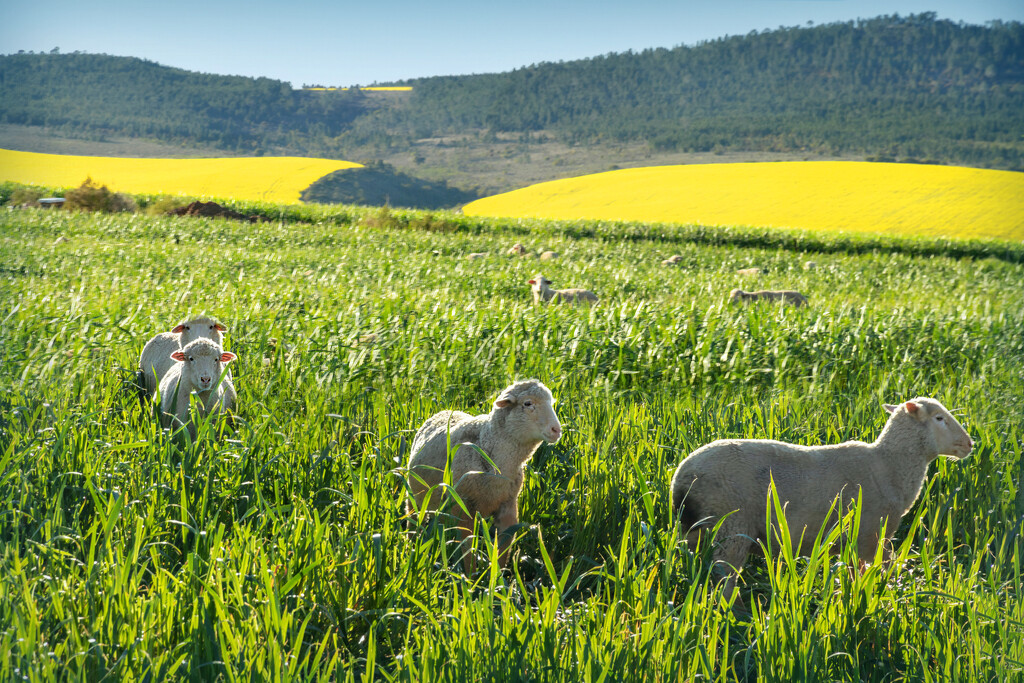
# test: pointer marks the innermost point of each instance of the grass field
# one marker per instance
(279, 550)
(243, 178)
(904, 199)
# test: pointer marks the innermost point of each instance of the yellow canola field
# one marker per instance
(906, 199)
(274, 179)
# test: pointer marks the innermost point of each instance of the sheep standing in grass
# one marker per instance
(156, 360)
(673, 260)
(522, 417)
(751, 272)
(549, 255)
(542, 291)
(197, 368)
(787, 296)
(729, 480)
(517, 249)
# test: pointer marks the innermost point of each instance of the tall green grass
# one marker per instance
(280, 549)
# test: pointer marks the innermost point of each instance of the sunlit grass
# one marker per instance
(279, 179)
(280, 549)
(905, 199)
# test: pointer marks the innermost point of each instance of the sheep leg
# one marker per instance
(464, 523)
(729, 556)
(508, 516)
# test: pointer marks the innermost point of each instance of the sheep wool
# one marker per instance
(197, 368)
(729, 480)
(156, 360)
(523, 416)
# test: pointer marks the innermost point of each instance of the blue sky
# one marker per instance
(359, 43)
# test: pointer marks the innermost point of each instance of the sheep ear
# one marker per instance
(219, 327)
(912, 407)
(178, 355)
(227, 357)
(531, 282)
(889, 408)
(504, 401)
(178, 329)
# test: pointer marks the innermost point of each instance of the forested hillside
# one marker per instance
(911, 87)
(87, 95)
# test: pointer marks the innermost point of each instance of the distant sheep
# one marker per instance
(542, 291)
(810, 265)
(523, 416)
(729, 480)
(672, 260)
(517, 250)
(197, 368)
(787, 296)
(476, 255)
(156, 354)
(549, 256)
(747, 272)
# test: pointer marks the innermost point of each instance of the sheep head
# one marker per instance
(942, 429)
(529, 411)
(199, 328)
(202, 360)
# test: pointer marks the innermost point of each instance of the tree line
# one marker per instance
(910, 87)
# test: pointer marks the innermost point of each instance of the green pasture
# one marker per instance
(278, 548)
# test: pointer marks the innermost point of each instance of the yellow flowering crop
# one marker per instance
(907, 199)
(276, 179)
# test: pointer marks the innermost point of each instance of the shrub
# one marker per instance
(92, 197)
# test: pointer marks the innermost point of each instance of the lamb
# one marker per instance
(733, 476)
(516, 249)
(197, 368)
(549, 255)
(672, 260)
(156, 354)
(787, 296)
(522, 417)
(542, 292)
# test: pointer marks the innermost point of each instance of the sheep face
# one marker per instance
(942, 429)
(198, 328)
(202, 360)
(529, 411)
(737, 295)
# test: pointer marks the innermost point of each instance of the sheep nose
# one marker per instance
(556, 431)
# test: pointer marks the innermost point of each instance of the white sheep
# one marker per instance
(516, 249)
(549, 255)
(476, 255)
(748, 272)
(542, 291)
(156, 354)
(672, 260)
(197, 368)
(522, 417)
(729, 480)
(788, 296)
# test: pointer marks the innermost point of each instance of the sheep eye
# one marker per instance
(939, 418)
(527, 404)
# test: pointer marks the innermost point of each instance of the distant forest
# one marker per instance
(892, 86)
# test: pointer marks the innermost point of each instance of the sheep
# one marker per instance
(197, 368)
(746, 272)
(516, 249)
(672, 260)
(787, 296)
(810, 265)
(549, 256)
(542, 292)
(522, 417)
(156, 354)
(476, 255)
(729, 480)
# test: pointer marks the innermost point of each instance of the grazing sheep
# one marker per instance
(522, 417)
(542, 292)
(517, 249)
(672, 260)
(476, 255)
(730, 479)
(549, 256)
(787, 296)
(810, 265)
(745, 272)
(197, 368)
(156, 354)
